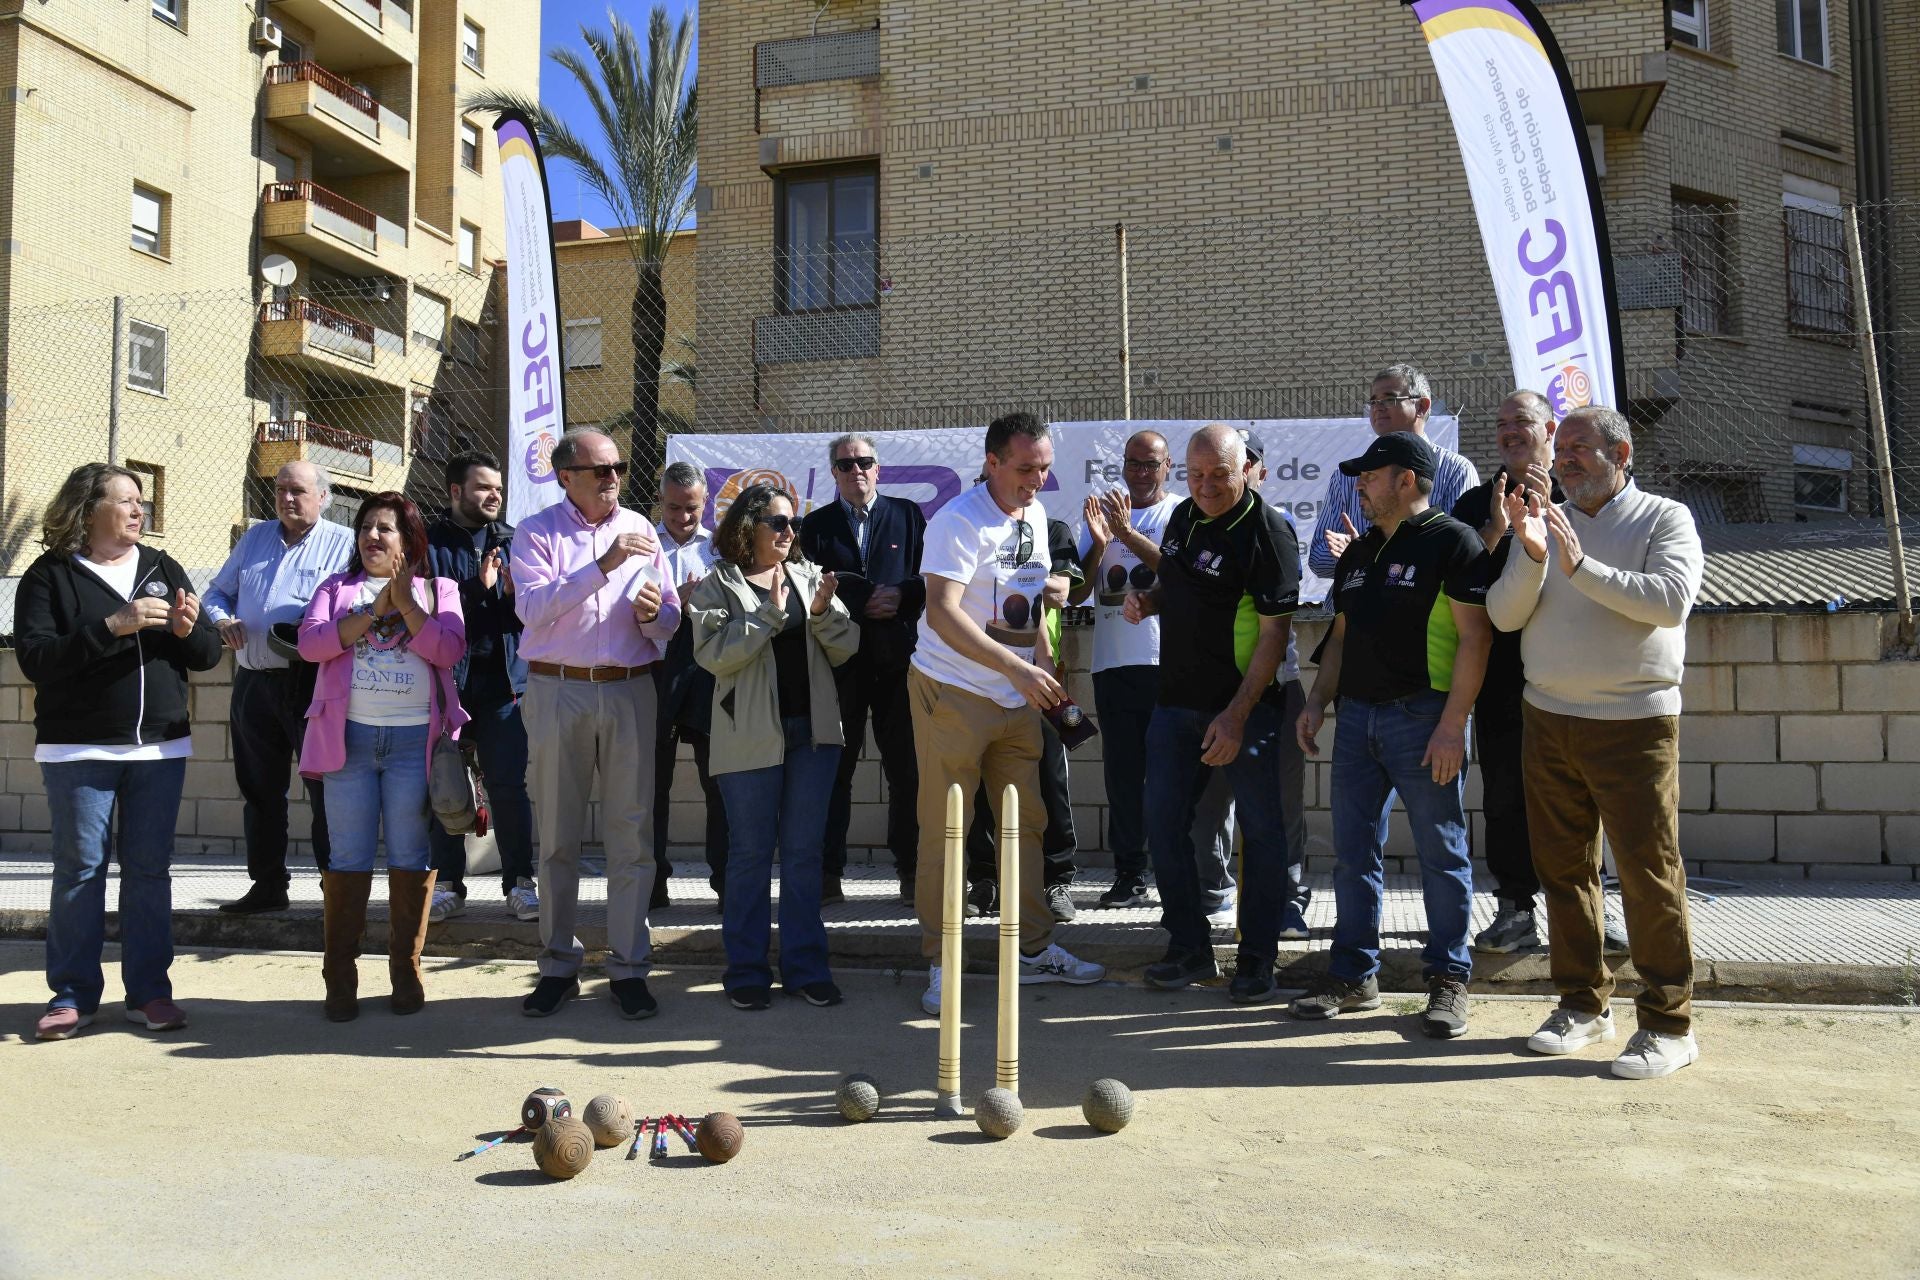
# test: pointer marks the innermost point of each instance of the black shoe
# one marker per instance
(1333, 996)
(1181, 969)
(821, 995)
(259, 898)
(907, 887)
(633, 998)
(983, 899)
(660, 896)
(751, 999)
(1446, 1015)
(547, 997)
(1252, 981)
(1127, 891)
(1060, 903)
(830, 891)
(1513, 927)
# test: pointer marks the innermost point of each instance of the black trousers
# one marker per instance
(1057, 846)
(1504, 803)
(882, 694)
(664, 752)
(268, 720)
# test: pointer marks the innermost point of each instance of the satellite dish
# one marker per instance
(277, 269)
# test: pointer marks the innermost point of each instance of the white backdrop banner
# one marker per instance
(932, 467)
(533, 322)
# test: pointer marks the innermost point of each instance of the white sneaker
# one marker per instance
(446, 905)
(1652, 1054)
(524, 900)
(1567, 1029)
(930, 1000)
(1055, 964)
(1226, 914)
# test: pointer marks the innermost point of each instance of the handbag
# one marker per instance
(453, 784)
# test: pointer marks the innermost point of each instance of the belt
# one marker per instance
(592, 675)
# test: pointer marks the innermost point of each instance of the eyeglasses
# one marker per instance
(779, 524)
(1387, 402)
(1023, 550)
(1142, 464)
(845, 465)
(603, 471)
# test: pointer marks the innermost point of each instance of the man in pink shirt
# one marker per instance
(592, 588)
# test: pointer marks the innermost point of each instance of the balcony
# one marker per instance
(351, 34)
(330, 228)
(351, 133)
(332, 343)
(301, 440)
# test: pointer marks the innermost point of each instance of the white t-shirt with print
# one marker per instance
(392, 685)
(1117, 642)
(973, 542)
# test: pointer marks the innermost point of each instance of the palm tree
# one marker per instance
(647, 114)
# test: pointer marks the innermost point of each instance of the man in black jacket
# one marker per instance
(474, 546)
(872, 542)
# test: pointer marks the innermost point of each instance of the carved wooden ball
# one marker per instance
(542, 1105)
(1108, 1105)
(610, 1119)
(719, 1137)
(999, 1113)
(563, 1147)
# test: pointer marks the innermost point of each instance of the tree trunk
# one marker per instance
(646, 451)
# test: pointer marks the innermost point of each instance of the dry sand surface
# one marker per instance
(264, 1141)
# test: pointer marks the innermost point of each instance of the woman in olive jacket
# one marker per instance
(767, 625)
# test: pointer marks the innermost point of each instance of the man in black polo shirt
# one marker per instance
(1406, 655)
(1229, 582)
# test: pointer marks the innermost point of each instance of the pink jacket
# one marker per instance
(440, 642)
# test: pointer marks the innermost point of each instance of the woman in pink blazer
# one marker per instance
(386, 641)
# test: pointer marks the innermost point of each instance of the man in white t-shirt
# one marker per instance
(982, 674)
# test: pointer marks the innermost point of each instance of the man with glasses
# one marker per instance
(599, 605)
(684, 686)
(871, 542)
(1400, 400)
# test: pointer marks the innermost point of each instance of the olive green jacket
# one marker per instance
(733, 638)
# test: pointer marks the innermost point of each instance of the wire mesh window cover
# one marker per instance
(1648, 281)
(1700, 235)
(1819, 299)
(840, 55)
(1802, 26)
(428, 318)
(470, 145)
(582, 340)
(816, 335)
(472, 44)
(1687, 22)
(146, 357)
(469, 246)
(827, 252)
(469, 344)
(146, 220)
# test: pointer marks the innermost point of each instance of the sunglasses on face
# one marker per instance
(779, 524)
(846, 465)
(603, 471)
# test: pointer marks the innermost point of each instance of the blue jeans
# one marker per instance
(383, 782)
(81, 796)
(1376, 751)
(783, 805)
(500, 737)
(1173, 786)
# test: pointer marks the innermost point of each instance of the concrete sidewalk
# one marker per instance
(1838, 942)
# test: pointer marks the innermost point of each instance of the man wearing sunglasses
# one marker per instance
(872, 542)
(599, 605)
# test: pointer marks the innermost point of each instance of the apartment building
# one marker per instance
(304, 229)
(906, 218)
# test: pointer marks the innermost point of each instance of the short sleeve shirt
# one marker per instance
(1116, 642)
(1001, 562)
(1219, 576)
(1394, 593)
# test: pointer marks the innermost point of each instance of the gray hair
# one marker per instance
(1610, 423)
(852, 437)
(317, 475)
(1409, 377)
(684, 474)
(1534, 401)
(1224, 441)
(567, 447)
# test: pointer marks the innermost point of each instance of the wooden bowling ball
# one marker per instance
(719, 1137)
(563, 1147)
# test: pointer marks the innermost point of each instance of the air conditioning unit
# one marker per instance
(266, 34)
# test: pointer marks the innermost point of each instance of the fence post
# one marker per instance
(1126, 351)
(1877, 416)
(119, 377)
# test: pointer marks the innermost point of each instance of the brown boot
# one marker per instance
(409, 894)
(345, 922)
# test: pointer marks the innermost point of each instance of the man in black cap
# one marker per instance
(1406, 655)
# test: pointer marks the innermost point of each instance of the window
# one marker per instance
(291, 50)
(1700, 236)
(146, 357)
(428, 316)
(469, 344)
(469, 247)
(169, 11)
(470, 145)
(582, 344)
(1819, 299)
(1803, 29)
(826, 247)
(1820, 477)
(149, 220)
(1687, 23)
(473, 44)
(153, 490)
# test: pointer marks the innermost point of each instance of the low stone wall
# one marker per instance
(1800, 751)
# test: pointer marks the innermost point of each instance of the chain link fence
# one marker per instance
(1745, 376)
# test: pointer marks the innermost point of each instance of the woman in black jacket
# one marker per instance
(107, 629)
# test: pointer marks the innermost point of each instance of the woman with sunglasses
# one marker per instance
(766, 623)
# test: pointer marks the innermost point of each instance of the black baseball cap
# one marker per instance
(1255, 450)
(1395, 449)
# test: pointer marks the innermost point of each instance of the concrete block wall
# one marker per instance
(1800, 757)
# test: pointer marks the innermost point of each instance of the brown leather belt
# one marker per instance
(592, 675)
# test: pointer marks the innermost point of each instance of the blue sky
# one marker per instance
(560, 22)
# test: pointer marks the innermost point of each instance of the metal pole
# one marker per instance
(1126, 352)
(1877, 415)
(119, 378)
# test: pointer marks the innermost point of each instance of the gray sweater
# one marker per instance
(1609, 642)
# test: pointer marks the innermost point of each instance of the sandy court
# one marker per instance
(263, 1140)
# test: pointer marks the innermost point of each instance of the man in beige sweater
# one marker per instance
(1601, 595)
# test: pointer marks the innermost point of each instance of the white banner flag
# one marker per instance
(535, 414)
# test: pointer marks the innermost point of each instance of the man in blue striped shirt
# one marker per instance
(1399, 401)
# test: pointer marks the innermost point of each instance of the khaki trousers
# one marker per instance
(1583, 774)
(573, 729)
(965, 738)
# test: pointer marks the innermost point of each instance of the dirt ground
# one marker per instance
(263, 1140)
